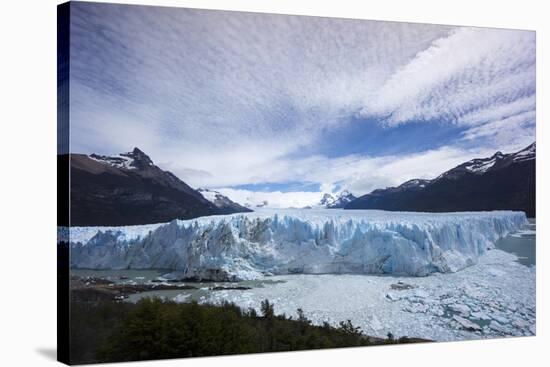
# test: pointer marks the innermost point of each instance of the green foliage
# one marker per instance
(302, 317)
(157, 329)
(268, 310)
(91, 324)
(252, 312)
(348, 328)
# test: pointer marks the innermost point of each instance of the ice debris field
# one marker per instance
(494, 298)
(302, 241)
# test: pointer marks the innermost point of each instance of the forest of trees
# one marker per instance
(158, 329)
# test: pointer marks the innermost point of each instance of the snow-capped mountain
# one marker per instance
(496, 162)
(326, 200)
(130, 189)
(226, 205)
(248, 245)
(135, 159)
(339, 200)
(502, 181)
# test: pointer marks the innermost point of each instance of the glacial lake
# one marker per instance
(522, 243)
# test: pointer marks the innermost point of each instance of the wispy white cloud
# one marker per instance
(499, 110)
(229, 98)
(471, 69)
(513, 132)
(203, 79)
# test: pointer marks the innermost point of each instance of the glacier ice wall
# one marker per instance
(248, 245)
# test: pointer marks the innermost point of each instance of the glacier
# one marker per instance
(245, 246)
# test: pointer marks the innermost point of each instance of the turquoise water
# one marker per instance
(522, 244)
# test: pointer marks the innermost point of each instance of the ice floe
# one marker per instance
(469, 304)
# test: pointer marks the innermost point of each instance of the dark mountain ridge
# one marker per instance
(224, 204)
(499, 182)
(129, 189)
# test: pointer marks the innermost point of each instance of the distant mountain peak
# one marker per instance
(327, 199)
(339, 200)
(498, 154)
(140, 159)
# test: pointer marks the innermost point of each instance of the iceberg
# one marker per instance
(246, 246)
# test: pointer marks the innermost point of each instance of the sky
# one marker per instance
(284, 108)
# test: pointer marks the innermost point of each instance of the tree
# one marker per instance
(302, 317)
(252, 312)
(348, 328)
(267, 309)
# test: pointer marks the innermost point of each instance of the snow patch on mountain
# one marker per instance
(481, 166)
(327, 200)
(248, 245)
(119, 161)
(135, 159)
(414, 183)
(336, 201)
(221, 201)
(209, 195)
(526, 154)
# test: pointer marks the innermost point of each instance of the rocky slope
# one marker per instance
(499, 182)
(129, 189)
(222, 202)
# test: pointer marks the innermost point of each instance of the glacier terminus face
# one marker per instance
(308, 241)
